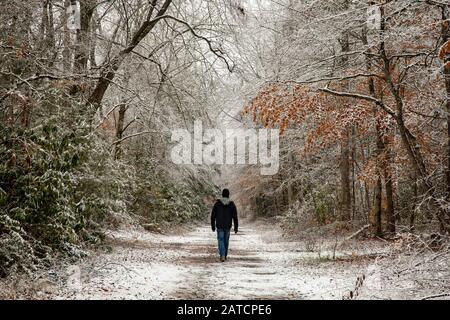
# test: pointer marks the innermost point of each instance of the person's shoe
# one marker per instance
(222, 258)
(225, 258)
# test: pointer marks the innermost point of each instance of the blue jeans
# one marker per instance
(223, 237)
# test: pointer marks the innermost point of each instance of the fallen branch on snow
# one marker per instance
(445, 294)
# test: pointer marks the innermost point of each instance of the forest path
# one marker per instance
(261, 265)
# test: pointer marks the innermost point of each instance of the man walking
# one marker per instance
(223, 214)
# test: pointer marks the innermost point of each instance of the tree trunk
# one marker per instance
(346, 201)
(66, 39)
(412, 217)
(345, 167)
(353, 162)
(290, 186)
(44, 25)
(50, 37)
(380, 165)
(82, 42)
(93, 37)
(390, 210)
(119, 130)
(366, 189)
(377, 209)
(445, 35)
(290, 194)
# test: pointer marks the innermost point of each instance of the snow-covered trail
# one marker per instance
(261, 265)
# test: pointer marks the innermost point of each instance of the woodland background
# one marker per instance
(363, 105)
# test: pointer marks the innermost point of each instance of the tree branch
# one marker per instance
(353, 76)
(361, 97)
(109, 70)
(134, 135)
(445, 294)
(217, 52)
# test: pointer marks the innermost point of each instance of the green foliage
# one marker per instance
(15, 251)
(37, 176)
(60, 187)
(54, 187)
(177, 203)
(104, 190)
(171, 200)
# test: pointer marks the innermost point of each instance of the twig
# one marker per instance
(356, 233)
(216, 51)
(445, 294)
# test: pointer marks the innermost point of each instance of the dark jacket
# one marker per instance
(223, 213)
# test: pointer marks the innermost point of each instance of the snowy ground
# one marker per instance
(261, 265)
